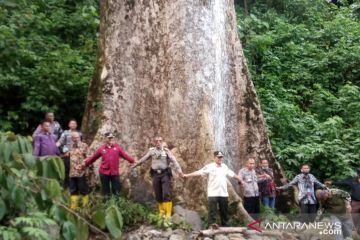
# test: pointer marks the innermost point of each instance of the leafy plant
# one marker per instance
(32, 200)
(48, 51)
(303, 58)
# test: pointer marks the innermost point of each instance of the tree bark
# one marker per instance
(246, 9)
(175, 69)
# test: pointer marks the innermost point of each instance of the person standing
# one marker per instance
(44, 142)
(249, 182)
(354, 184)
(55, 127)
(77, 181)
(110, 153)
(267, 187)
(217, 192)
(307, 201)
(161, 174)
(65, 143)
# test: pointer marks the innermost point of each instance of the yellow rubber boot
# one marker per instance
(161, 209)
(74, 199)
(168, 209)
(85, 201)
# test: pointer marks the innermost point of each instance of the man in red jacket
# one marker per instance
(109, 168)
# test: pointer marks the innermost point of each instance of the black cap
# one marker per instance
(109, 135)
(218, 154)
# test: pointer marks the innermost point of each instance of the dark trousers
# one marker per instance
(78, 185)
(308, 212)
(252, 206)
(355, 214)
(346, 226)
(106, 180)
(161, 185)
(223, 206)
(67, 171)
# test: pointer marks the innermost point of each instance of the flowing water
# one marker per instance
(219, 90)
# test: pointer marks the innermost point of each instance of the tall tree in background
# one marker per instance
(175, 69)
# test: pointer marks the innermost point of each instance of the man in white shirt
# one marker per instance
(217, 173)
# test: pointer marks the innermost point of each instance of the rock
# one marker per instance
(355, 235)
(287, 236)
(189, 216)
(133, 237)
(167, 233)
(254, 236)
(177, 237)
(221, 237)
(178, 234)
(153, 233)
(53, 230)
(275, 234)
(192, 235)
(177, 219)
(236, 236)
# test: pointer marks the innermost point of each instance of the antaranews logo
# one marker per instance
(324, 228)
(253, 226)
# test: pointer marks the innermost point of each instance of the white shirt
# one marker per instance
(217, 185)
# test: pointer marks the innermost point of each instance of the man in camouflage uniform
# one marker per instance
(354, 184)
(335, 203)
(78, 185)
(161, 174)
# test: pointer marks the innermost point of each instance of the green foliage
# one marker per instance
(304, 57)
(31, 225)
(69, 231)
(77, 228)
(160, 222)
(98, 217)
(47, 50)
(23, 192)
(19, 179)
(114, 221)
(136, 214)
(32, 200)
(9, 233)
(133, 213)
(270, 215)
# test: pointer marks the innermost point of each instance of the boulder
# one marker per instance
(190, 217)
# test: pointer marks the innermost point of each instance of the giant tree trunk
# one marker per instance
(175, 69)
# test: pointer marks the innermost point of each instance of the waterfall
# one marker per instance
(219, 90)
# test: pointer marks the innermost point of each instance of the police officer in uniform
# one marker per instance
(161, 174)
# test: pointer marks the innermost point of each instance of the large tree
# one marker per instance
(175, 69)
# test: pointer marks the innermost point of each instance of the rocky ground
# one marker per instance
(232, 233)
(151, 233)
